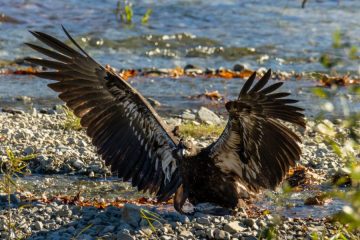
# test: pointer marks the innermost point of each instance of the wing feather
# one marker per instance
(128, 133)
(255, 146)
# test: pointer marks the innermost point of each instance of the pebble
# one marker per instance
(234, 227)
(38, 226)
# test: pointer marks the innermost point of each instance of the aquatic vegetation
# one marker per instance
(146, 17)
(125, 13)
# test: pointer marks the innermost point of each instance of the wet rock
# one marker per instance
(239, 67)
(208, 116)
(192, 70)
(8, 19)
(24, 99)
(12, 111)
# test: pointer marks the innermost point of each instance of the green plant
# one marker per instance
(11, 167)
(150, 217)
(346, 144)
(125, 13)
(145, 18)
(337, 39)
(196, 131)
(71, 121)
(82, 231)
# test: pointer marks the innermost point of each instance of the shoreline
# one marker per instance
(67, 152)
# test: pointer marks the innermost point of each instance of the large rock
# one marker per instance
(208, 116)
(131, 215)
(234, 227)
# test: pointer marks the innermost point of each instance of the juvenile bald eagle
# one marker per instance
(254, 152)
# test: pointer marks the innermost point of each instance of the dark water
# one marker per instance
(204, 33)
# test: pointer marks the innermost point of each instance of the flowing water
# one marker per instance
(208, 34)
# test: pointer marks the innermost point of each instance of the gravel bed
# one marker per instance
(63, 151)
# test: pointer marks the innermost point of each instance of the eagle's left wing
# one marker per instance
(255, 146)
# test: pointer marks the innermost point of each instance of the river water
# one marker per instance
(276, 34)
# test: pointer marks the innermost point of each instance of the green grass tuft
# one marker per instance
(202, 130)
(71, 122)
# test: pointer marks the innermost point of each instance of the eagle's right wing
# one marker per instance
(255, 146)
(128, 133)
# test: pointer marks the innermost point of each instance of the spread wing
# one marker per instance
(128, 133)
(255, 146)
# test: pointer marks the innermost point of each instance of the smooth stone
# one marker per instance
(234, 227)
(39, 225)
(208, 116)
(131, 214)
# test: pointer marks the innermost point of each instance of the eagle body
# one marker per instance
(254, 152)
(205, 182)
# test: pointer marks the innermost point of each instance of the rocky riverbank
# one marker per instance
(62, 150)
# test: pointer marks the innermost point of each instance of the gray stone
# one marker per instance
(249, 222)
(131, 214)
(38, 225)
(188, 116)
(250, 238)
(204, 221)
(200, 233)
(220, 234)
(208, 116)
(29, 151)
(210, 233)
(186, 234)
(239, 67)
(165, 237)
(234, 227)
(78, 164)
(65, 211)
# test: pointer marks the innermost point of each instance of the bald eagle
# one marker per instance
(253, 153)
